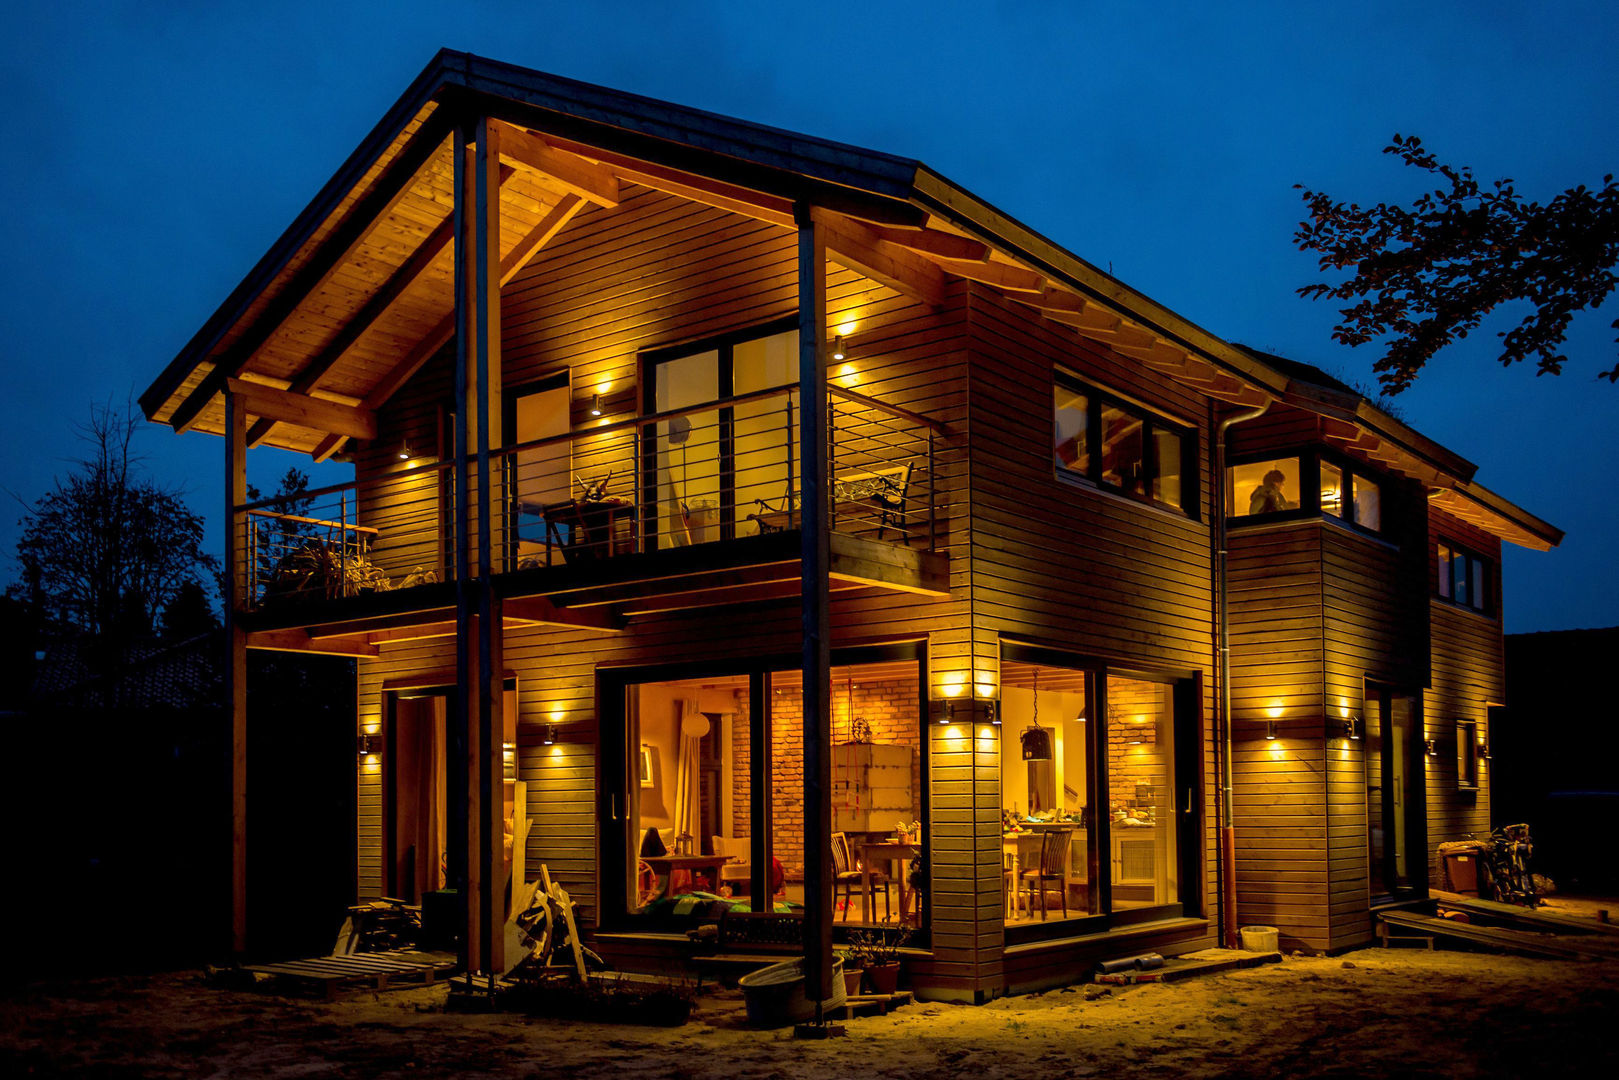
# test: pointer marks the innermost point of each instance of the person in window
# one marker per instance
(1268, 497)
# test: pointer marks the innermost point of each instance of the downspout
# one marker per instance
(1227, 865)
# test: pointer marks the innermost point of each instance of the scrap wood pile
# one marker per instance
(381, 925)
(542, 937)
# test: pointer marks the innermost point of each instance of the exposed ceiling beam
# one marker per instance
(299, 641)
(364, 319)
(1000, 275)
(366, 213)
(855, 246)
(536, 238)
(542, 609)
(933, 242)
(303, 411)
(570, 171)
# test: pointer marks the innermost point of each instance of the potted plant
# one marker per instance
(853, 973)
(878, 952)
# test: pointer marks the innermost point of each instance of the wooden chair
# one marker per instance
(1054, 844)
(846, 874)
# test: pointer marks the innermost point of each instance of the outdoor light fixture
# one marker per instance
(369, 744)
(550, 735)
(1431, 746)
(837, 348)
(404, 450)
(1270, 731)
(1352, 728)
(595, 405)
(1484, 749)
(946, 712)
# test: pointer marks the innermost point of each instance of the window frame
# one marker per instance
(1152, 422)
(1310, 459)
(1444, 588)
(1467, 758)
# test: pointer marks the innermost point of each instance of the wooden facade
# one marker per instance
(618, 234)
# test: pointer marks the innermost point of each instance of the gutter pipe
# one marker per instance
(1227, 866)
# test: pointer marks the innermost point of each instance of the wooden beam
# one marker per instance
(363, 320)
(363, 216)
(304, 411)
(531, 242)
(933, 242)
(541, 609)
(855, 246)
(362, 627)
(999, 275)
(236, 578)
(569, 171)
(299, 641)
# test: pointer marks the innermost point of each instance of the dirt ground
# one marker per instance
(1375, 1012)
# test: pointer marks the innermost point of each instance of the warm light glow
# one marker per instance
(1343, 708)
(1274, 712)
(846, 328)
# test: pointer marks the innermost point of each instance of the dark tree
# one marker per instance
(1426, 275)
(107, 549)
(189, 613)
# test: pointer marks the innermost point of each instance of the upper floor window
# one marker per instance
(1303, 483)
(1463, 577)
(1120, 445)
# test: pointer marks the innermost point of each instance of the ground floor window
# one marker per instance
(694, 830)
(1090, 770)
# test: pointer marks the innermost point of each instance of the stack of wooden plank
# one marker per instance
(375, 971)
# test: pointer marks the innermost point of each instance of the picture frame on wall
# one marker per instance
(646, 764)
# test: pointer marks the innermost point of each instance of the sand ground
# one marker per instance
(1374, 1012)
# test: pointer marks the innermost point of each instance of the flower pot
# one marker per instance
(884, 978)
(851, 980)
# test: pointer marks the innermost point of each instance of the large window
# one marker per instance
(1463, 577)
(1300, 484)
(1122, 446)
(1089, 766)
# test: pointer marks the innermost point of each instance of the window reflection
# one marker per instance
(1123, 456)
(1368, 503)
(1072, 430)
(1141, 792)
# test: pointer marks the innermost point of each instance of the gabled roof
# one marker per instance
(357, 294)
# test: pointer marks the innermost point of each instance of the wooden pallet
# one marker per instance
(1527, 918)
(1414, 926)
(376, 971)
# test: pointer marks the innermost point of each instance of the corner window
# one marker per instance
(1263, 487)
(1122, 446)
(1463, 577)
(1268, 487)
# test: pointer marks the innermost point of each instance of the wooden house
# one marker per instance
(714, 483)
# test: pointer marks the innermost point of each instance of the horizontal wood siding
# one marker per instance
(1469, 675)
(1067, 565)
(1279, 790)
(654, 272)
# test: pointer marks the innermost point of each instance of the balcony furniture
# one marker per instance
(586, 530)
(877, 493)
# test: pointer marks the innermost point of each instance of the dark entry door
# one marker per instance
(1396, 837)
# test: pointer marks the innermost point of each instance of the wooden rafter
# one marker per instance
(857, 247)
(541, 609)
(933, 242)
(362, 218)
(268, 403)
(530, 243)
(571, 172)
(363, 320)
(1015, 279)
(299, 641)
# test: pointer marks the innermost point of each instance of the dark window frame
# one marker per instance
(1444, 583)
(1186, 692)
(1095, 398)
(1310, 459)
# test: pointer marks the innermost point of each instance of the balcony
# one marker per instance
(683, 508)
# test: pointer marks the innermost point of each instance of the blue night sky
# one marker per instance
(154, 151)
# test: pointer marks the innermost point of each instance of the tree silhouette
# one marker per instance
(1426, 275)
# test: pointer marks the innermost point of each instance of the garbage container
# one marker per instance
(1461, 873)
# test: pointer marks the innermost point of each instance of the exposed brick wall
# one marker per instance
(892, 710)
(1149, 762)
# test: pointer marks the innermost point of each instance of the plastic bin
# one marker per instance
(1260, 938)
(1461, 872)
(775, 996)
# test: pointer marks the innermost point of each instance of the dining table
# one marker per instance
(886, 853)
(693, 864)
(1023, 848)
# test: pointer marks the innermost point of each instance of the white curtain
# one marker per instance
(693, 726)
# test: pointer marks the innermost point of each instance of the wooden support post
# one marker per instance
(817, 603)
(236, 578)
(460, 855)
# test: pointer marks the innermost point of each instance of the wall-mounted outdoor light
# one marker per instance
(550, 737)
(368, 744)
(1270, 731)
(1484, 749)
(1431, 746)
(837, 348)
(1351, 728)
(404, 450)
(595, 405)
(963, 710)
